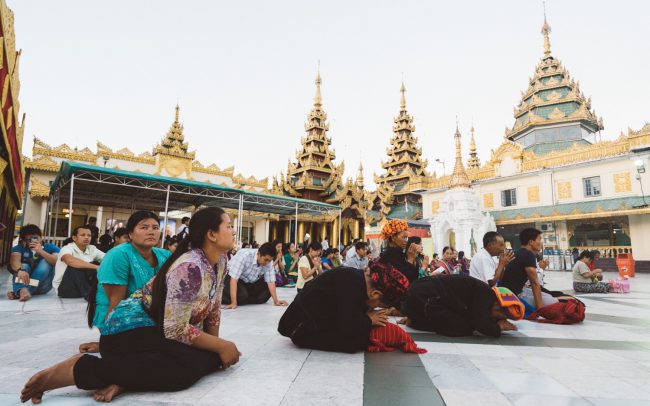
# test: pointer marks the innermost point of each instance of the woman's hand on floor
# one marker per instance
(378, 317)
(229, 354)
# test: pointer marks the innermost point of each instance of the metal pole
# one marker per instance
(48, 222)
(166, 210)
(70, 206)
(340, 212)
(56, 219)
(296, 227)
(240, 219)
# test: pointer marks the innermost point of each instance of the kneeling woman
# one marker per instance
(164, 337)
(458, 305)
(334, 312)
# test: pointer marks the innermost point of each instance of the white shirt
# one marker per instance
(325, 245)
(483, 266)
(91, 254)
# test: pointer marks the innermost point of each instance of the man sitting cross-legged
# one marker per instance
(251, 278)
(76, 267)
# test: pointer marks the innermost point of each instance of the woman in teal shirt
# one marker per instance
(126, 268)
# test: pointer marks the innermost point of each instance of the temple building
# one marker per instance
(405, 170)
(171, 157)
(554, 173)
(11, 161)
(314, 175)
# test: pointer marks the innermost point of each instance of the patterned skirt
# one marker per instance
(593, 287)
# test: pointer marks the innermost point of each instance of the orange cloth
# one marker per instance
(510, 303)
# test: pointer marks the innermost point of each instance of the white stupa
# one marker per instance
(460, 212)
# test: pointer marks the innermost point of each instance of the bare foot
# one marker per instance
(24, 295)
(86, 348)
(57, 376)
(11, 295)
(108, 393)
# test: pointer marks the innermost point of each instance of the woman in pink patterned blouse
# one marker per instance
(164, 337)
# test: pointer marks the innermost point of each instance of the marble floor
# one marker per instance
(603, 361)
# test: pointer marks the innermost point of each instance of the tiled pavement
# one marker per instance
(604, 361)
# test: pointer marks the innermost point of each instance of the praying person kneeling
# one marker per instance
(458, 305)
(251, 277)
(336, 310)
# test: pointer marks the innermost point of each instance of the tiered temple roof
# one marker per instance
(553, 100)
(473, 162)
(404, 167)
(314, 175)
(174, 142)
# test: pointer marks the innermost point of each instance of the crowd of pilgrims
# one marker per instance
(158, 309)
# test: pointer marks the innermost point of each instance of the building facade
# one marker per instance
(553, 172)
(171, 157)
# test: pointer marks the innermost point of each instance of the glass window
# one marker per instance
(591, 186)
(509, 197)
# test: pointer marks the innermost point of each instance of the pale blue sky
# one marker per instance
(243, 71)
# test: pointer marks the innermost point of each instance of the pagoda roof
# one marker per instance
(552, 97)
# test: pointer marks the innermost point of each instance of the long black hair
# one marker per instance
(132, 222)
(204, 220)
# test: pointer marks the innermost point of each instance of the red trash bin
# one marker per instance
(625, 264)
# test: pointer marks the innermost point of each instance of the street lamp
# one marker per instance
(444, 171)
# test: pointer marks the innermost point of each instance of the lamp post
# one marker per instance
(105, 158)
(640, 168)
(441, 162)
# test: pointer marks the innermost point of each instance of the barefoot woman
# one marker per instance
(165, 336)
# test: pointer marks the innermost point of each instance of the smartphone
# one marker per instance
(32, 282)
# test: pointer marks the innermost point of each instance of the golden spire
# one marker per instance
(360, 175)
(472, 142)
(546, 29)
(403, 100)
(459, 178)
(176, 119)
(473, 161)
(318, 99)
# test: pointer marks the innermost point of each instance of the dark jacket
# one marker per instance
(330, 313)
(451, 305)
(396, 257)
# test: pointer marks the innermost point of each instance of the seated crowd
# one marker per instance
(158, 310)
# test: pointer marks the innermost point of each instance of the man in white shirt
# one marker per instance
(76, 267)
(251, 278)
(325, 244)
(484, 266)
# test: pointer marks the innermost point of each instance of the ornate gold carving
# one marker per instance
(488, 200)
(622, 182)
(43, 163)
(38, 188)
(533, 194)
(564, 190)
(556, 113)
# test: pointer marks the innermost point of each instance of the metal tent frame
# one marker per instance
(78, 183)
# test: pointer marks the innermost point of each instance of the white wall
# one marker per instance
(639, 232)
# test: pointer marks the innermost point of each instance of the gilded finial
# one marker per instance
(177, 113)
(318, 99)
(459, 178)
(472, 142)
(546, 29)
(403, 100)
(360, 175)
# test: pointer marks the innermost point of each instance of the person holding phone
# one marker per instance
(32, 264)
